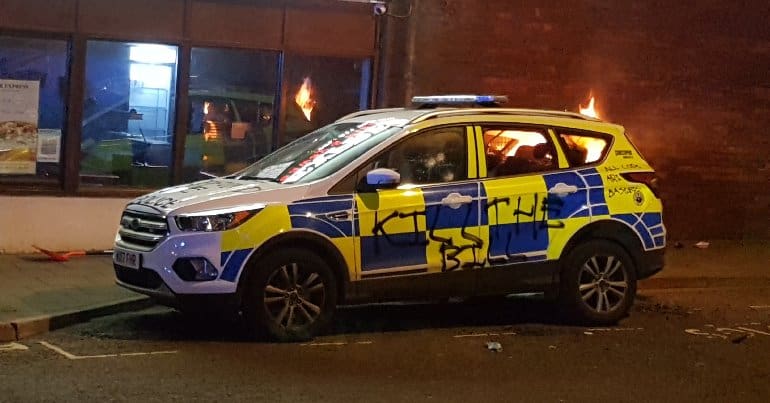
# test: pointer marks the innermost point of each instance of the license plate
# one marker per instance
(125, 258)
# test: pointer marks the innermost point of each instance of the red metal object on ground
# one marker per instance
(65, 256)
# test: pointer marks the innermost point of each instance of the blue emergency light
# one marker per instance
(449, 100)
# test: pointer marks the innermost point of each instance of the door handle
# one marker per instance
(339, 216)
(562, 189)
(455, 200)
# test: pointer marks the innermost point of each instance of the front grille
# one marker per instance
(141, 231)
(143, 278)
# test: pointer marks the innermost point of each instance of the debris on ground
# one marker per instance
(678, 245)
(588, 333)
(494, 346)
(552, 347)
(702, 245)
(739, 338)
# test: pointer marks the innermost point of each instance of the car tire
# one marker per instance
(598, 283)
(291, 295)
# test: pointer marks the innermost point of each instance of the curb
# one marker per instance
(25, 327)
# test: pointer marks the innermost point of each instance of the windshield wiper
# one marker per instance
(257, 178)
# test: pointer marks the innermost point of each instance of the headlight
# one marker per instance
(213, 222)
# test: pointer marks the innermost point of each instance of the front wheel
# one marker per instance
(291, 296)
(598, 283)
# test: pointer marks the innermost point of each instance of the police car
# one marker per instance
(453, 197)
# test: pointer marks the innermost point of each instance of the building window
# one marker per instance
(33, 83)
(128, 114)
(232, 103)
(322, 89)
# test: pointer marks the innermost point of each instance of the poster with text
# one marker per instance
(18, 126)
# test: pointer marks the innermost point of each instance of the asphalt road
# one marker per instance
(684, 345)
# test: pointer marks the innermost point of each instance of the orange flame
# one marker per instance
(594, 147)
(590, 110)
(304, 98)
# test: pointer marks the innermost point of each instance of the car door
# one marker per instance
(517, 209)
(430, 223)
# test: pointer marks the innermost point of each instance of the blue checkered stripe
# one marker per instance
(649, 227)
(588, 201)
(326, 215)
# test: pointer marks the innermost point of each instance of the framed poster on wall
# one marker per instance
(18, 126)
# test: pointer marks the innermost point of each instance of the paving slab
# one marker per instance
(38, 295)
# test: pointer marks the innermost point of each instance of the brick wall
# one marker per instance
(689, 80)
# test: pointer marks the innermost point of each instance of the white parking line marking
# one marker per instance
(616, 329)
(759, 307)
(754, 331)
(71, 356)
(58, 350)
(13, 347)
(337, 343)
(458, 336)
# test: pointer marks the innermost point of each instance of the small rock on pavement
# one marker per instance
(494, 346)
(552, 347)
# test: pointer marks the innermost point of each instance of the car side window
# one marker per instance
(516, 151)
(433, 156)
(583, 148)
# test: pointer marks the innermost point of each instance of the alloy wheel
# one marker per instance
(293, 296)
(603, 283)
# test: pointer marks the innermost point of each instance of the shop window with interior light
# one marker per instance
(128, 114)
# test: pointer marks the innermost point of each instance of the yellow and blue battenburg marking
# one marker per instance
(649, 227)
(440, 228)
(331, 216)
(587, 201)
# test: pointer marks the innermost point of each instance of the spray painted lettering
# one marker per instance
(469, 244)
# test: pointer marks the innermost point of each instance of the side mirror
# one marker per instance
(382, 178)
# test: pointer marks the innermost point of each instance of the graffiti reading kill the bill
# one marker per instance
(450, 250)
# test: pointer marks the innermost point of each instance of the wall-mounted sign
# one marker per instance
(18, 126)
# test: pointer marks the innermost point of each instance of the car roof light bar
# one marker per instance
(432, 101)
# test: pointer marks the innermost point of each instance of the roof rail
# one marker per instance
(502, 111)
(368, 112)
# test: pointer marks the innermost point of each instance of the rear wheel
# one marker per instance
(291, 296)
(598, 283)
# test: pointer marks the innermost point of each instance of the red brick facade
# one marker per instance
(690, 82)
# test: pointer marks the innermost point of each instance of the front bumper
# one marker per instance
(156, 276)
(149, 283)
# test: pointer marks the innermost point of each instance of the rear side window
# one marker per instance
(583, 148)
(517, 151)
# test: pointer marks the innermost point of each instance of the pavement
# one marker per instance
(38, 295)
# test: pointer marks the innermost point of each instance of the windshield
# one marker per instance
(321, 153)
